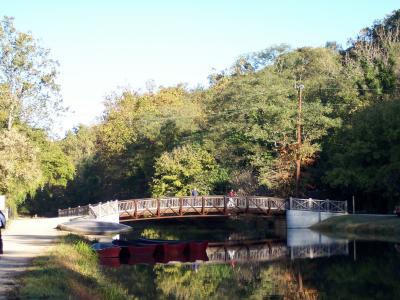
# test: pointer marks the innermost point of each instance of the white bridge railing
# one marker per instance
(318, 205)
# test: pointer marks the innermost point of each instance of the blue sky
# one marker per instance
(103, 46)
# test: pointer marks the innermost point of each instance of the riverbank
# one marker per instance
(370, 227)
(69, 270)
(20, 242)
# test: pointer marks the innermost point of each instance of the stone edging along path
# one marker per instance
(24, 239)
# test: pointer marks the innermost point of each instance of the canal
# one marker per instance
(258, 258)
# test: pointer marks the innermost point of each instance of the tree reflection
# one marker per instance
(206, 281)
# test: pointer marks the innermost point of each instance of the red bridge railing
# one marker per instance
(181, 206)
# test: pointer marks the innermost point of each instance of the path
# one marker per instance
(23, 240)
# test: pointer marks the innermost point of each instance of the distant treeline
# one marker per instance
(239, 132)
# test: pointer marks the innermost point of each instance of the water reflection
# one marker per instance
(298, 264)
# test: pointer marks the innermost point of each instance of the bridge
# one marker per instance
(300, 213)
(178, 207)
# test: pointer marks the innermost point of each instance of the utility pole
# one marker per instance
(299, 88)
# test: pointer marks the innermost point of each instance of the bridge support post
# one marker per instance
(180, 206)
(158, 207)
(225, 206)
(135, 212)
(247, 204)
(202, 205)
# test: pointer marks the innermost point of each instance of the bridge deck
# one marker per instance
(199, 206)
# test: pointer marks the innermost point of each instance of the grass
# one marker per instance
(362, 227)
(69, 271)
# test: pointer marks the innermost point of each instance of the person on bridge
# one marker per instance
(195, 193)
(231, 194)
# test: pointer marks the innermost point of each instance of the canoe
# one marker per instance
(197, 246)
(195, 256)
(106, 249)
(112, 262)
(167, 257)
(169, 247)
(93, 227)
(141, 260)
(135, 248)
(142, 249)
(190, 246)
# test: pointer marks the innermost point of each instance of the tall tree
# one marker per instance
(27, 76)
(20, 171)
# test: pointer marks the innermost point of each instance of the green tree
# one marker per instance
(252, 116)
(20, 171)
(28, 75)
(364, 156)
(185, 168)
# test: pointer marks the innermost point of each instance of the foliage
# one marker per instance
(183, 169)
(364, 155)
(253, 117)
(28, 76)
(20, 171)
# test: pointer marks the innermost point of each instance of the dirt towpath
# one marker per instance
(23, 240)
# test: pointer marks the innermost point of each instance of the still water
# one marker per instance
(258, 258)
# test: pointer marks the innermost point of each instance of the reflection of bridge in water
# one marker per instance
(300, 244)
(271, 250)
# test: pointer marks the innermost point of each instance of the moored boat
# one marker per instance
(169, 247)
(197, 246)
(136, 248)
(141, 260)
(112, 262)
(198, 255)
(107, 249)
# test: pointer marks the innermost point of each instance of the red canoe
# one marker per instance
(141, 249)
(172, 249)
(197, 247)
(141, 259)
(106, 250)
(195, 256)
(112, 262)
(166, 246)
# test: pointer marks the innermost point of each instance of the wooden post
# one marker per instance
(158, 207)
(225, 205)
(180, 206)
(135, 213)
(354, 205)
(202, 205)
(247, 204)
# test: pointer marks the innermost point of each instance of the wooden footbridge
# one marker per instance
(179, 207)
